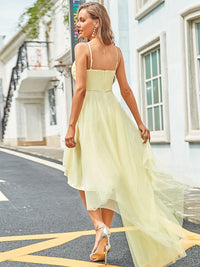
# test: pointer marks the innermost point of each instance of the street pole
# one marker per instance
(73, 10)
(1, 103)
(0, 126)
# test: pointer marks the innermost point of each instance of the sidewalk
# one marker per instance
(54, 153)
(192, 198)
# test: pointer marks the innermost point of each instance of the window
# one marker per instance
(196, 43)
(191, 72)
(52, 107)
(153, 88)
(1, 92)
(143, 7)
(195, 125)
(198, 64)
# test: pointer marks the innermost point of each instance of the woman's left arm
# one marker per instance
(79, 94)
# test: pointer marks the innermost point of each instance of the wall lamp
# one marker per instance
(55, 82)
(64, 70)
(60, 67)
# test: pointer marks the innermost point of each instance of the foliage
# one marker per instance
(65, 9)
(36, 14)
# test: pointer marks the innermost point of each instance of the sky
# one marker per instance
(10, 11)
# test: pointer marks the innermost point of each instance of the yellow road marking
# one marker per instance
(44, 236)
(59, 261)
(22, 254)
(35, 247)
(55, 235)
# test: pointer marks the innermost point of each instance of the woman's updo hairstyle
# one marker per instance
(98, 11)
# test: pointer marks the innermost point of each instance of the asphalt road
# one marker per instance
(40, 205)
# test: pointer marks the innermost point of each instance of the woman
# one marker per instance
(110, 161)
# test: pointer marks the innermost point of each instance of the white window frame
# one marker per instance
(140, 12)
(189, 17)
(196, 58)
(158, 41)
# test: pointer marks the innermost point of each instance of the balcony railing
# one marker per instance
(32, 55)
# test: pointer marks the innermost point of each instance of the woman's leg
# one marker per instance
(82, 194)
(94, 214)
(97, 220)
(98, 217)
(107, 216)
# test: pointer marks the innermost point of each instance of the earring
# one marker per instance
(93, 31)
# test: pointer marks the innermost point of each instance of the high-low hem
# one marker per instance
(117, 171)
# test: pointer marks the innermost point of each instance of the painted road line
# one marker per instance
(56, 235)
(11, 254)
(2, 197)
(35, 159)
(57, 240)
(59, 261)
(45, 236)
(22, 254)
(2, 181)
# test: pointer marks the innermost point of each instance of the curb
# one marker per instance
(36, 154)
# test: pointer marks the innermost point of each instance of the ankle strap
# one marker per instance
(98, 228)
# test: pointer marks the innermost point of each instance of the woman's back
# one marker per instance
(102, 57)
(101, 66)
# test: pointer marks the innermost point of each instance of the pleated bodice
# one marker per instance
(97, 80)
(100, 80)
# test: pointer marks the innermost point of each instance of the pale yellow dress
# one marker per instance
(117, 171)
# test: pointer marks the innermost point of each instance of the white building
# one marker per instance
(160, 41)
(36, 113)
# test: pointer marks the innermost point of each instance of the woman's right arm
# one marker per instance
(129, 98)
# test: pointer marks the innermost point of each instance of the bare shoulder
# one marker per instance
(81, 47)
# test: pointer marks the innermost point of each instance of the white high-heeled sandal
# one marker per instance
(101, 253)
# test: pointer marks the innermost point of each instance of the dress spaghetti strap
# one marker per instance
(90, 55)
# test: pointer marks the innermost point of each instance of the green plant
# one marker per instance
(65, 9)
(34, 15)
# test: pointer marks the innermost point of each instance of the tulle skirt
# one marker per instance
(118, 172)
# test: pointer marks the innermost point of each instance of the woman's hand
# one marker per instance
(69, 138)
(145, 134)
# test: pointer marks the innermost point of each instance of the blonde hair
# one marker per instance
(98, 11)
